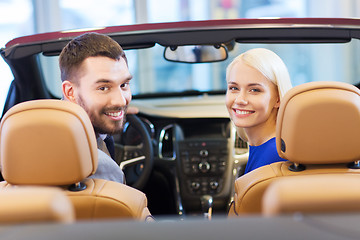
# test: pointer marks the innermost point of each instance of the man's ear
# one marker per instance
(68, 91)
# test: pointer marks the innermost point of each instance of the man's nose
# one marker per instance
(118, 98)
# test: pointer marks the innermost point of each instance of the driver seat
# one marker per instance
(317, 131)
(52, 143)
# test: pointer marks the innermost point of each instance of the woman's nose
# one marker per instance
(241, 99)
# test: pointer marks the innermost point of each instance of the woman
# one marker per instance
(256, 82)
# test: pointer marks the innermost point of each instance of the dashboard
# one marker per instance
(196, 149)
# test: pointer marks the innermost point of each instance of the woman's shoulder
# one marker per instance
(270, 141)
(268, 144)
(267, 150)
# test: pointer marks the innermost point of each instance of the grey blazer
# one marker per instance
(108, 169)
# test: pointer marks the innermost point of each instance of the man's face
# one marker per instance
(103, 90)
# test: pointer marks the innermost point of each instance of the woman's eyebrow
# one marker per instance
(248, 85)
(232, 82)
(255, 84)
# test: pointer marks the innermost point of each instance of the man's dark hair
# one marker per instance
(84, 46)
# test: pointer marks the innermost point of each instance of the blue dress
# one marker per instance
(263, 154)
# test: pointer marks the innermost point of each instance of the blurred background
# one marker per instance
(26, 17)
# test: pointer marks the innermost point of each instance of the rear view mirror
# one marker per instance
(196, 53)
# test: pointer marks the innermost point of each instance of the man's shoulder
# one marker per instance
(105, 159)
(108, 169)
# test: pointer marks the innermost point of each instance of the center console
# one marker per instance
(202, 166)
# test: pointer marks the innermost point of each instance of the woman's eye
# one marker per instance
(255, 90)
(232, 88)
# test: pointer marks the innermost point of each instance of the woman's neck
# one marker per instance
(263, 132)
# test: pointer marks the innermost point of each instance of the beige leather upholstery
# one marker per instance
(108, 199)
(35, 204)
(52, 143)
(47, 142)
(322, 193)
(318, 123)
(318, 128)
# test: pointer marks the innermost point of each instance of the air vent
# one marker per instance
(167, 143)
(239, 143)
(240, 146)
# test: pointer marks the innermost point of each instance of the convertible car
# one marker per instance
(181, 149)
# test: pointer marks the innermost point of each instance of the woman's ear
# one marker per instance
(277, 104)
(68, 91)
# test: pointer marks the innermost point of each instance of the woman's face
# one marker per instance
(251, 99)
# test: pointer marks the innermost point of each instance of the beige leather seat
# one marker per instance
(52, 143)
(35, 204)
(320, 193)
(318, 131)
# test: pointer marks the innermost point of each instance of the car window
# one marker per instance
(15, 20)
(154, 75)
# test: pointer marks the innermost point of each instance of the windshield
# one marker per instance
(153, 75)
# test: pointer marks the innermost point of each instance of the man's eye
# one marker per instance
(124, 85)
(103, 88)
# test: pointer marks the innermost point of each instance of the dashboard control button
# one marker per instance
(204, 153)
(195, 185)
(214, 185)
(204, 167)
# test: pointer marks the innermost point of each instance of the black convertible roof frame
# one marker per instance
(21, 54)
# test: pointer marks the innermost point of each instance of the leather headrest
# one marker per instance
(47, 142)
(319, 123)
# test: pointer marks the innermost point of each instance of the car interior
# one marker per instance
(183, 159)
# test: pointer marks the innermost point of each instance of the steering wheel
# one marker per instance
(134, 152)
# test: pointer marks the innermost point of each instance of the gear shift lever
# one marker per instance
(206, 205)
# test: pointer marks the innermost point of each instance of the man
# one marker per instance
(95, 75)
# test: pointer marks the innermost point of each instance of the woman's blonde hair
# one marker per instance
(268, 64)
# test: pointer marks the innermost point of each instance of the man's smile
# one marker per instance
(115, 115)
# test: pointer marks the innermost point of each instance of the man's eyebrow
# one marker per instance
(102, 81)
(130, 77)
